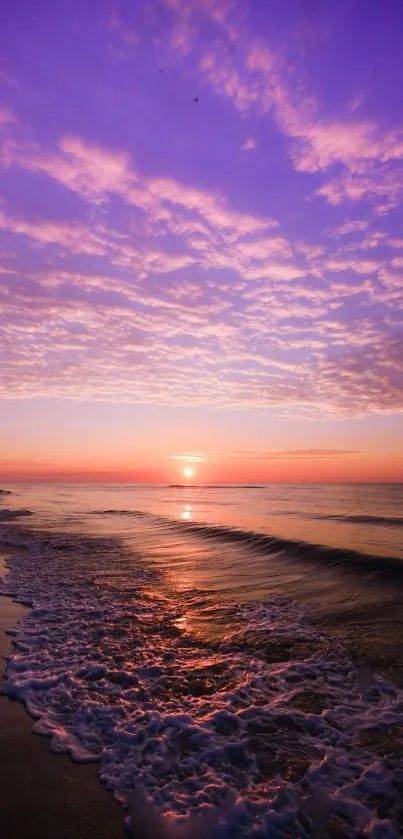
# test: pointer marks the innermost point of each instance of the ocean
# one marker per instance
(232, 652)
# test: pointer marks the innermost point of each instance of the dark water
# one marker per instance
(363, 517)
(235, 641)
(338, 548)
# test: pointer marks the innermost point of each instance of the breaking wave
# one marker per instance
(382, 568)
(241, 732)
(387, 568)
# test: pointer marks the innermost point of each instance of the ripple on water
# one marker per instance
(272, 713)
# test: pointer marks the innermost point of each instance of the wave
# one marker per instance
(181, 486)
(9, 515)
(384, 521)
(137, 513)
(215, 486)
(204, 728)
(5, 492)
(384, 567)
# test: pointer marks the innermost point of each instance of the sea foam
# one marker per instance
(213, 736)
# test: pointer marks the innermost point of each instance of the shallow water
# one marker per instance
(364, 517)
(245, 543)
(203, 643)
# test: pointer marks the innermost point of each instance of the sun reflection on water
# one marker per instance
(187, 513)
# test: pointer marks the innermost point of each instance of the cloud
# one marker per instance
(350, 143)
(191, 301)
(75, 339)
(74, 237)
(258, 79)
(261, 81)
(182, 38)
(217, 235)
(191, 457)
(96, 173)
(382, 185)
(360, 266)
(277, 454)
(357, 226)
(249, 144)
(85, 168)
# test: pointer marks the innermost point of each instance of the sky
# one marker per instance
(201, 240)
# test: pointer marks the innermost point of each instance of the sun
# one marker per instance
(188, 472)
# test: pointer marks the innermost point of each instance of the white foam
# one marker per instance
(280, 617)
(205, 729)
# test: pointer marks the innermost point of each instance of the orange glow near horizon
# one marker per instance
(201, 248)
(309, 466)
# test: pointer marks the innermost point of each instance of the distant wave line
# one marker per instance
(386, 521)
(215, 486)
(383, 567)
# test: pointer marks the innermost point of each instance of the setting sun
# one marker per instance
(201, 405)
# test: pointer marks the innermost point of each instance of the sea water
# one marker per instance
(231, 651)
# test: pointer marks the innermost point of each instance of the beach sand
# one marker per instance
(43, 795)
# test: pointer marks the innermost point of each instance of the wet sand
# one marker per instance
(43, 795)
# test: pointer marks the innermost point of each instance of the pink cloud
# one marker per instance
(84, 168)
(260, 81)
(249, 144)
(75, 237)
(182, 38)
(351, 227)
(258, 78)
(383, 186)
(226, 79)
(349, 143)
(360, 266)
(94, 172)
(254, 323)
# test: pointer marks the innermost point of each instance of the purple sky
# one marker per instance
(201, 233)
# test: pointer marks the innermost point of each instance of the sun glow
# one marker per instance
(188, 472)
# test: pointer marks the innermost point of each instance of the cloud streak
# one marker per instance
(180, 278)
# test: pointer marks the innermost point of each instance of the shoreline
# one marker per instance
(44, 795)
(319, 695)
